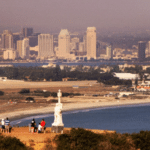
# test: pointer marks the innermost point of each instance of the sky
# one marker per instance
(75, 15)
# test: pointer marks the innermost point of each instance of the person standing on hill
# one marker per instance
(3, 125)
(43, 123)
(33, 124)
(39, 128)
(7, 125)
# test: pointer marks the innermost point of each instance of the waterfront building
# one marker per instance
(7, 40)
(9, 54)
(63, 43)
(25, 48)
(91, 42)
(45, 43)
(141, 50)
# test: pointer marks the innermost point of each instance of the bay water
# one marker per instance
(122, 119)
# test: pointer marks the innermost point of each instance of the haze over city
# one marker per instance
(54, 15)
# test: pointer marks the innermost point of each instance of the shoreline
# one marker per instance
(16, 115)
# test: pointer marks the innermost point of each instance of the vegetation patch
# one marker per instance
(24, 91)
(12, 143)
(1, 93)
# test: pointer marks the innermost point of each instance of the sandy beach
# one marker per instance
(86, 104)
(87, 100)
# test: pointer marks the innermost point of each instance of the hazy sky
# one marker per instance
(53, 15)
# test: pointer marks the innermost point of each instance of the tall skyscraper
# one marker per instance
(141, 50)
(7, 40)
(27, 32)
(108, 52)
(45, 43)
(19, 47)
(91, 42)
(25, 48)
(16, 37)
(63, 43)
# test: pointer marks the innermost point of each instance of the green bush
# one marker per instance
(1, 93)
(12, 143)
(29, 98)
(54, 94)
(46, 94)
(142, 140)
(80, 139)
(24, 91)
(38, 91)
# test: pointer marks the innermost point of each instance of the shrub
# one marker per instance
(24, 91)
(80, 139)
(38, 91)
(46, 94)
(54, 94)
(65, 94)
(12, 143)
(54, 101)
(142, 140)
(1, 93)
(29, 98)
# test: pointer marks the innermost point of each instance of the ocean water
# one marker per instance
(122, 119)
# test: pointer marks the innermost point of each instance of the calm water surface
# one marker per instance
(121, 119)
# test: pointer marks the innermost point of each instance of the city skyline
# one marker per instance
(52, 16)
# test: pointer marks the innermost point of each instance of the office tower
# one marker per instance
(19, 47)
(63, 43)
(7, 40)
(108, 52)
(33, 41)
(91, 42)
(98, 49)
(25, 48)
(84, 41)
(81, 47)
(45, 43)
(16, 37)
(27, 32)
(141, 50)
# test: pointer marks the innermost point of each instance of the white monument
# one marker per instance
(57, 125)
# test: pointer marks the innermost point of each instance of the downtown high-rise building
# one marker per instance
(27, 32)
(25, 48)
(7, 40)
(19, 47)
(45, 43)
(108, 52)
(141, 50)
(63, 43)
(91, 42)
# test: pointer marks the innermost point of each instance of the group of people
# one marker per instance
(5, 125)
(41, 126)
